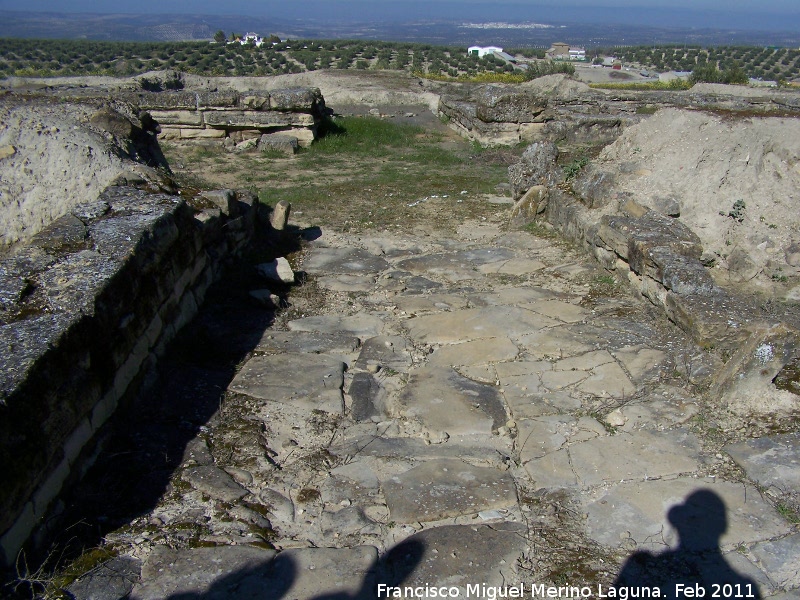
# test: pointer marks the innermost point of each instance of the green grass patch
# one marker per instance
(367, 173)
(674, 85)
(788, 513)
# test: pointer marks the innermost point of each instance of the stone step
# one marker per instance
(313, 381)
(443, 488)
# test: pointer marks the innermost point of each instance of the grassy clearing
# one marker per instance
(675, 84)
(363, 173)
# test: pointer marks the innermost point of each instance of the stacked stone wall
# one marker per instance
(87, 307)
(184, 115)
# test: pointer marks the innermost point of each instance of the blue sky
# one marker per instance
(263, 6)
(774, 15)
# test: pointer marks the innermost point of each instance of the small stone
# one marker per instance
(214, 482)
(246, 145)
(436, 437)
(377, 512)
(793, 255)
(373, 368)
(511, 424)
(240, 475)
(280, 215)
(616, 419)
(277, 270)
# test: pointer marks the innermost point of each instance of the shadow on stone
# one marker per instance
(697, 566)
(329, 578)
(147, 441)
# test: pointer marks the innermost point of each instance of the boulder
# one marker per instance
(532, 203)
(501, 104)
(277, 270)
(112, 122)
(278, 142)
(537, 166)
(225, 200)
(595, 187)
(297, 99)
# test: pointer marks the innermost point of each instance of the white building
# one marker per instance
(252, 38)
(577, 54)
(481, 51)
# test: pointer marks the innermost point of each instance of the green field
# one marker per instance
(765, 63)
(49, 58)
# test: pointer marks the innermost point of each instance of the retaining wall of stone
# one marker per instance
(186, 115)
(660, 258)
(86, 309)
(496, 115)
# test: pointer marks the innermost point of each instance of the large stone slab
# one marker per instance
(310, 342)
(770, 461)
(403, 448)
(368, 397)
(347, 283)
(362, 325)
(431, 303)
(666, 407)
(511, 295)
(780, 559)
(558, 342)
(476, 352)
(387, 351)
(443, 400)
(654, 513)
(470, 324)
(557, 309)
(215, 483)
(199, 572)
(312, 381)
(238, 573)
(514, 266)
(523, 386)
(439, 489)
(639, 456)
(543, 435)
(607, 380)
(456, 555)
(110, 581)
(456, 266)
(306, 573)
(255, 119)
(343, 261)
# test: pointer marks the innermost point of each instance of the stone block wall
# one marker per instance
(184, 115)
(502, 115)
(499, 115)
(86, 309)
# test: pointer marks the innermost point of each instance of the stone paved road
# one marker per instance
(484, 409)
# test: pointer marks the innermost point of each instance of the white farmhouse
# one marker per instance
(252, 38)
(481, 51)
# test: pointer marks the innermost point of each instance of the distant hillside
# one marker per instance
(579, 29)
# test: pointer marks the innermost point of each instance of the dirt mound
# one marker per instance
(736, 183)
(53, 159)
(559, 86)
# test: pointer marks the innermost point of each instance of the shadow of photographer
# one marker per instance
(281, 578)
(696, 567)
